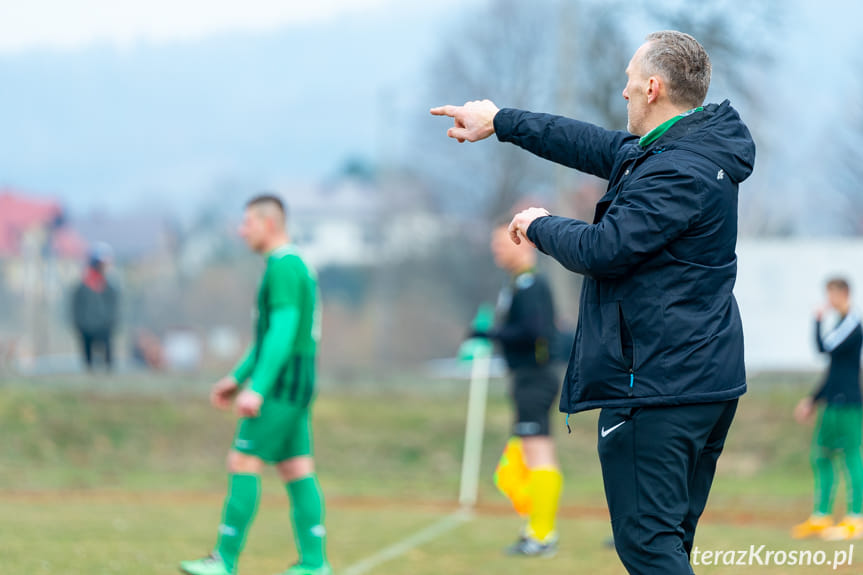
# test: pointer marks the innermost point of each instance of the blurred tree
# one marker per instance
(550, 55)
(738, 35)
(569, 57)
(847, 170)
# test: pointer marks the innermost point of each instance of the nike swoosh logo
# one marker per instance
(603, 432)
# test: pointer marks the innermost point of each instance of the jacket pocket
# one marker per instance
(602, 369)
(643, 326)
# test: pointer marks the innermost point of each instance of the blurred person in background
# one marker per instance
(275, 425)
(528, 473)
(659, 342)
(837, 437)
(95, 308)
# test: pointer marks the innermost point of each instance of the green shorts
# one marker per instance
(282, 431)
(839, 427)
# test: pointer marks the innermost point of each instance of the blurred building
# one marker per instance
(40, 255)
(361, 220)
(780, 281)
(33, 231)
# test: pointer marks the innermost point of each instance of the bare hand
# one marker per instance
(521, 221)
(248, 403)
(804, 411)
(223, 392)
(473, 122)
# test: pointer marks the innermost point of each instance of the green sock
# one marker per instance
(244, 490)
(822, 466)
(307, 515)
(854, 481)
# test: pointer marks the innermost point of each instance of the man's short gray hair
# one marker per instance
(682, 62)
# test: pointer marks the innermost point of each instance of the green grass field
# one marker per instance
(126, 476)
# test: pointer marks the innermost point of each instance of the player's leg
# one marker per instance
(853, 425)
(705, 469)
(87, 350)
(241, 504)
(821, 459)
(850, 422)
(308, 511)
(534, 393)
(511, 476)
(545, 485)
(109, 356)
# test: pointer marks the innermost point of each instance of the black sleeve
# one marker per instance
(819, 342)
(643, 219)
(575, 144)
(531, 316)
(818, 394)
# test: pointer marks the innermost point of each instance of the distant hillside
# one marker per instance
(165, 121)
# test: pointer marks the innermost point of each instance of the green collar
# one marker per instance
(281, 251)
(659, 130)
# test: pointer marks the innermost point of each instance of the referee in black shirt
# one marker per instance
(529, 473)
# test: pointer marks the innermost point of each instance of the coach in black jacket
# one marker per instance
(659, 345)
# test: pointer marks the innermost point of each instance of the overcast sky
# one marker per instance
(70, 24)
(80, 120)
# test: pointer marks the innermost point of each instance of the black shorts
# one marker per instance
(534, 391)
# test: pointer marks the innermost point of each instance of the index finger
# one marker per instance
(448, 110)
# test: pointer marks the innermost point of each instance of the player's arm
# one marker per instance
(644, 219)
(243, 370)
(819, 341)
(224, 390)
(275, 348)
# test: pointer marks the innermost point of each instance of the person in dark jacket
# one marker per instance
(95, 304)
(529, 473)
(840, 421)
(659, 342)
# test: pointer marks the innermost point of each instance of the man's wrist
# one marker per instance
(501, 124)
(532, 237)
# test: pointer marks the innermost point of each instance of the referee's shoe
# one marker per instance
(528, 546)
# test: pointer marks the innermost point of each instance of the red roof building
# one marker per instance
(22, 214)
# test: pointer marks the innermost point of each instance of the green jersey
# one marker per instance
(280, 361)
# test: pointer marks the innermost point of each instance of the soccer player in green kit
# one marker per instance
(275, 407)
(838, 403)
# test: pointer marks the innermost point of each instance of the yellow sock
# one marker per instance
(546, 484)
(512, 476)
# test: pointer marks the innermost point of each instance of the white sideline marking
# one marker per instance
(399, 548)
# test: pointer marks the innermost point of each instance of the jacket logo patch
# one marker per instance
(720, 175)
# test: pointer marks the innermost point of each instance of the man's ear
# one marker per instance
(654, 84)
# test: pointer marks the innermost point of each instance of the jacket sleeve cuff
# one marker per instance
(504, 121)
(535, 231)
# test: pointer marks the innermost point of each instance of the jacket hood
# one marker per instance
(718, 134)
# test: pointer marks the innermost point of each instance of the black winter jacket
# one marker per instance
(658, 322)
